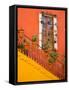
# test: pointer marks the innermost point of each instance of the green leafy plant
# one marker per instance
(54, 54)
(53, 57)
(46, 46)
(21, 46)
(51, 60)
(34, 38)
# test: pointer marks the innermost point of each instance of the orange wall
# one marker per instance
(28, 19)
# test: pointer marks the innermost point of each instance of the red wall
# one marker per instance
(28, 19)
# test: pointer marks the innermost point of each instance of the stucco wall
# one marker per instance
(28, 19)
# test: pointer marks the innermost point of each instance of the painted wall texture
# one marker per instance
(28, 20)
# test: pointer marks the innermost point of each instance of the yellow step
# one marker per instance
(29, 70)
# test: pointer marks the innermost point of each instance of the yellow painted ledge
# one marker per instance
(29, 70)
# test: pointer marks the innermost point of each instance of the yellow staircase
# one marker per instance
(29, 70)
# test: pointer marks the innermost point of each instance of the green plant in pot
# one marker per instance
(34, 38)
(51, 60)
(21, 46)
(53, 57)
(46, 46)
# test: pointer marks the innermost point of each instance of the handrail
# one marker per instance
(31, 40)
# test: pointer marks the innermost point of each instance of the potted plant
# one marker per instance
(34, 40)
(46, 46)
(53, 57)
(21, 47)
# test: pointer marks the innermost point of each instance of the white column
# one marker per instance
(40, 31)
(55, 33)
